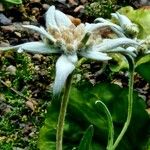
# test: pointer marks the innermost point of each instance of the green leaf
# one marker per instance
(82, 112)
(143, 60)
(85, 143)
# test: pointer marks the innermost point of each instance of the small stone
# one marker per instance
(32, 134)
(11, 69)
(37, 57)
(18, 34)
(75, 21)
(79, 8)
(35, 1)
(37, 68)
(4, 20)
(46, 6)
(83, 1)
(144, 2)
(73, 2)
(35, 11)
(9, 28)
(118, 82)
(30, 105)
(4, 44)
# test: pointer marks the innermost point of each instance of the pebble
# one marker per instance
(144, 2)
(11, 69)
(37, 68)
(75, 21)
(37, 57)
(30, 105)
(4, 20)
(45, 6)
(4, 44)
(35, 11)
(35, 1)
(18, 34)
(83, 1)
(9, 28)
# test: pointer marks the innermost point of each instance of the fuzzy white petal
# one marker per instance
(56, 18)
(108, 44)
(95, 55)
(9, 48)
(102, 20)
(94, 27)
(130, 51)
(50, 17)
(32, 47)
(40, 30)
(123, 20)
(72, 58)
(91, 27)
(61, 19)
(119, 33)
(64, 67)
(38, 47)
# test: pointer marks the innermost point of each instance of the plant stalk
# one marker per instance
(130, 105)
(62, 114)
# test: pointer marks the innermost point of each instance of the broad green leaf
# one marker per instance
(143, 60)
(82, 112)
(139, 16)
(85, 143)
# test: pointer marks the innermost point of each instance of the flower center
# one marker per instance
(68, 38)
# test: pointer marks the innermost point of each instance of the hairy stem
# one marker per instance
(130, 104)
(62, 114)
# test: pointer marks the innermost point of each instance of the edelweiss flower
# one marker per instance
(63, 37)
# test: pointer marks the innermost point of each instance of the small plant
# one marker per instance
(96, 9)
(72, 42)
(101, 8)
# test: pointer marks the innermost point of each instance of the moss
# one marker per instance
(100, 8)
(19, 124)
